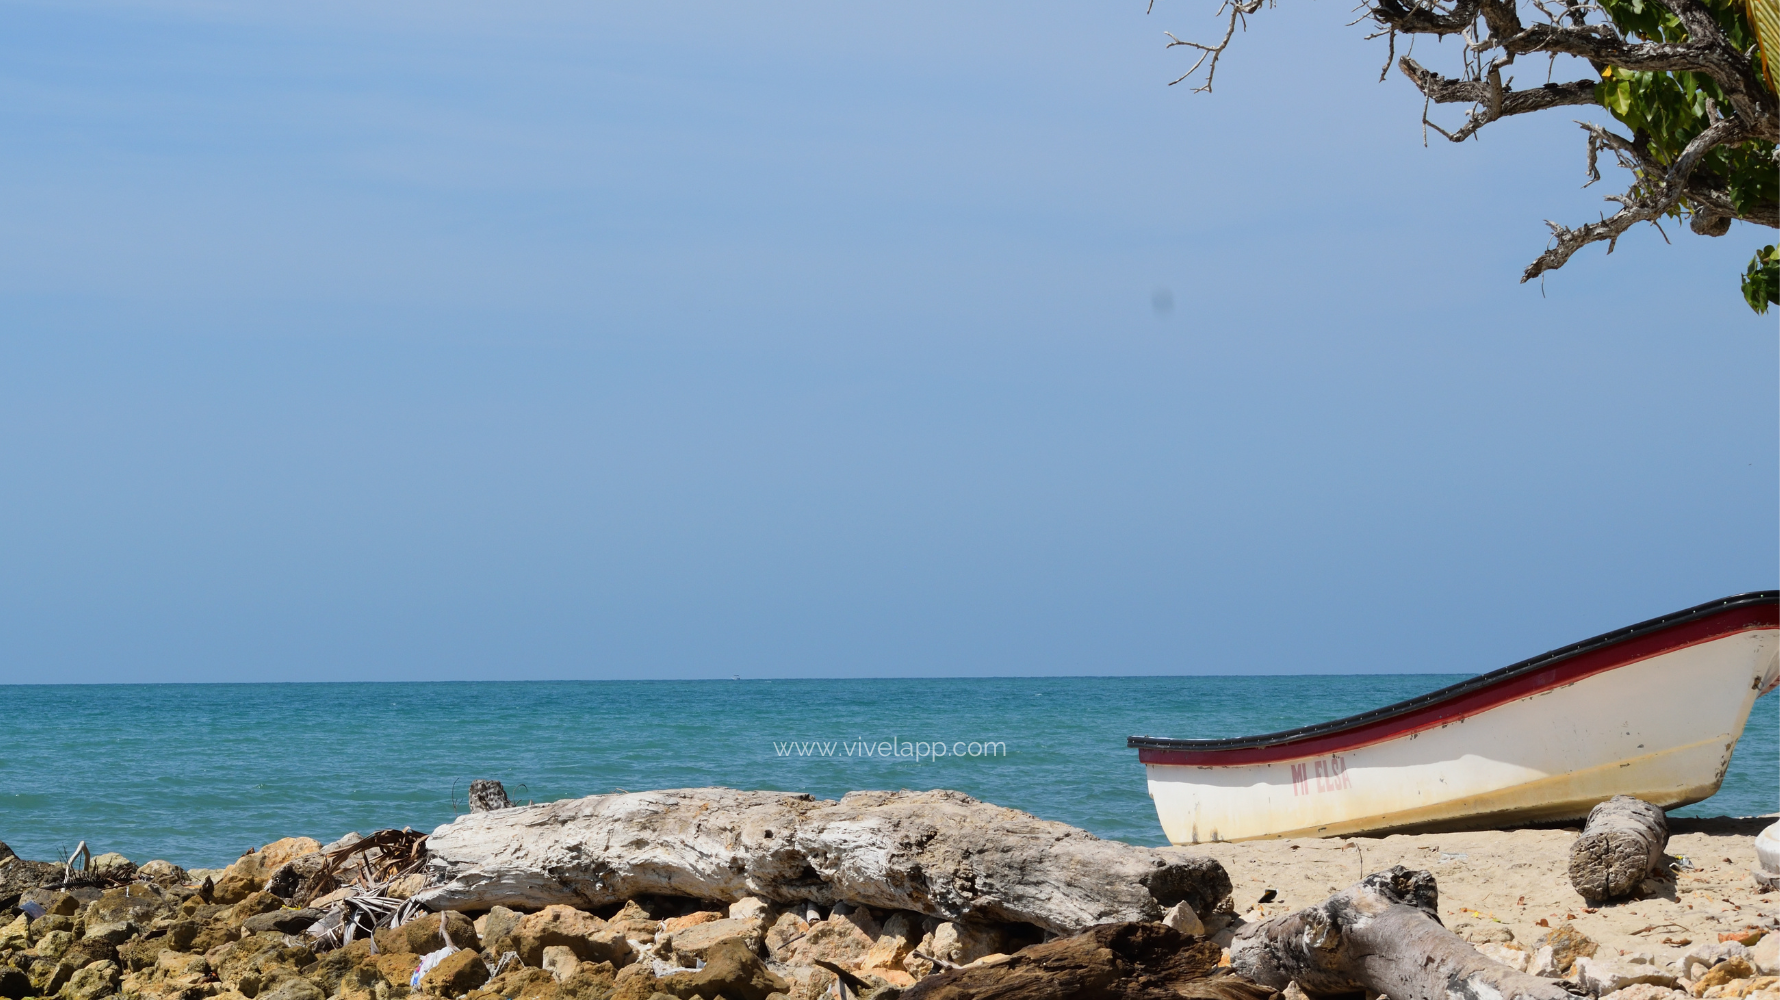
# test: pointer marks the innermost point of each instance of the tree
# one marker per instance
(1687, 78)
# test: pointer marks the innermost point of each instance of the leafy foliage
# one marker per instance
(1761, 282)
(1667, 110)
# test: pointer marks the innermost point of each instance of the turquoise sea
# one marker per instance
(197, 774)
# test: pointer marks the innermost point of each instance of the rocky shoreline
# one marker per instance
(712, 893)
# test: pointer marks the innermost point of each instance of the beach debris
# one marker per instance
(487, 796)
(939, 853)
(1621, 845)
(1124, 960)
(1383, 934)
(1767, 857)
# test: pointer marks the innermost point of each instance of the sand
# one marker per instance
(1511, 879)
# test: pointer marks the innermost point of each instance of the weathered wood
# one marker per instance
(1621, 846)
(939, 853)
(486, 795)
(1134, 961)
(1381, 935)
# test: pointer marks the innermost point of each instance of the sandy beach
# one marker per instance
(1497, 880)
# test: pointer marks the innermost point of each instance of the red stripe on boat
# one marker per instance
(1568, 671)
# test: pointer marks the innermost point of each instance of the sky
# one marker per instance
(463, 340)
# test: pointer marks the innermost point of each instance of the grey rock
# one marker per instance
(282, 921)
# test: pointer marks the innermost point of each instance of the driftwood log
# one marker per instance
(940, 853)
(1381, 935)
(1138, 961)
(1621, 846)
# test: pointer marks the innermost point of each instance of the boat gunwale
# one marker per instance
(1464, 688)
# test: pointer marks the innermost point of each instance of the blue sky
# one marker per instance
(547, 340)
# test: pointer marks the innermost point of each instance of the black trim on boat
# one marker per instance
(1463, 687)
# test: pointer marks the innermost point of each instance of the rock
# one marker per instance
(895, 943)
(110, 859)
(407, 886)
(673, 924)
(1765, 956)
(297, 989)
(1601, 976)
(280, 852)
(1181, 917)
(1509, 954)
(941, 854)
(421, 936)
(636, 982)
(1707, 954)
(460, 972)
(589, 937)
(748, 908)
(288, 879)
(784, 930)
(1647, 992)
(590, 981)
(16, 935)
(634, 922)
(53, 943)
(284, 921)
(731, 970)
(119, 913)
(234, 887)
(100, 979)
(162, 872)
(961, 944)
(14, 984)
(1567, 944)
(86, 951)
(559, 961)
(836, 940)
(1724, 972)
(252, 906)
(496, 930)
(696, 941)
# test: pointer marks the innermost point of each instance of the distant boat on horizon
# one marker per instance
(1653, 710)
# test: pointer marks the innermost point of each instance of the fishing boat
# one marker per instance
(1652, 710)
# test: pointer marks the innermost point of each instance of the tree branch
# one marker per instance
(1446, 90)
(1636, 208)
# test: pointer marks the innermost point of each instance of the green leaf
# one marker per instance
(1761, 282)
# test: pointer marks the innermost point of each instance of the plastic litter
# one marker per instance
(428, 962)
(32, 910)
(432, 958)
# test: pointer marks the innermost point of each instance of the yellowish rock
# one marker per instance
(16, 934)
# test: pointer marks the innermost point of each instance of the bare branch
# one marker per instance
(1239, 10)
(1636, 207)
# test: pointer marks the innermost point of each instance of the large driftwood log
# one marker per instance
(1110, 962)
(1621, 846)
(938, 853)
(1381, 935)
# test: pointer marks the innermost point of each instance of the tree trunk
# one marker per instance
(1381, 935)
(943, 854)
(1110, 962)
(1620, 847)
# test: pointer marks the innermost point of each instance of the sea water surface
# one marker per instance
(197, 774)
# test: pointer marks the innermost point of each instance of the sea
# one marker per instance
(197, 774)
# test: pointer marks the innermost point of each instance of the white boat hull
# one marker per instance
(1661, 727)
